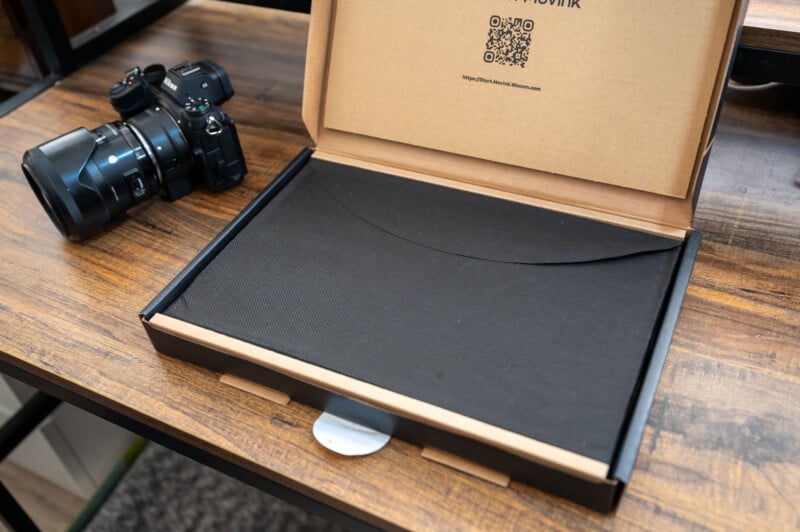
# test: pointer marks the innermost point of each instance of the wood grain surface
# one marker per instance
(722, 447)
(773, 25)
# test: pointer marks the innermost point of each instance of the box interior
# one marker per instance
(527, 320)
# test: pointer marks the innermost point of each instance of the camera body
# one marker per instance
(172, 135)
(190, 93)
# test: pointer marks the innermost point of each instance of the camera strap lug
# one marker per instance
(213, 127)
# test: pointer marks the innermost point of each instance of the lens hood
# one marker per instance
(53, 171)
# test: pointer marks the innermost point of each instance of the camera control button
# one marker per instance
(136, 185)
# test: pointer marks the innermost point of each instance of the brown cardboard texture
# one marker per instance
(605, 107)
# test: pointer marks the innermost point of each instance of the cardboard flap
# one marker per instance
(617, 98)
(612, 91)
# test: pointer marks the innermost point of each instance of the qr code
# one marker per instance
(509, 41)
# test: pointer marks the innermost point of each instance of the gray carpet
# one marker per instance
(167, 491)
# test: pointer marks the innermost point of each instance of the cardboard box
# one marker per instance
(487, 251)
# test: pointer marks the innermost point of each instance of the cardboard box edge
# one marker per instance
(628, 450)
(188, 274)
(601, 497)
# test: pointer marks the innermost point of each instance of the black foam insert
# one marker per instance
(527, 319)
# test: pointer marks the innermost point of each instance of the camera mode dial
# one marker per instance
(196, 107)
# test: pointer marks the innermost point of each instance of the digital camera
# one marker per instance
(171, 136)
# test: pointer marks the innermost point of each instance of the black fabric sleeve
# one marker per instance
(527, 319)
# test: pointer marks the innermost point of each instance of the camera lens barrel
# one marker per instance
(160, 134)
(84, 180)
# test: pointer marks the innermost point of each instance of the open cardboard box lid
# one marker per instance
(605, 109)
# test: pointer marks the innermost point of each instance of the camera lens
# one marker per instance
(159, 133)
(84, 180)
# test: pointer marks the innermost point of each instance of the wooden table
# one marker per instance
(773, 25)
(722, 448)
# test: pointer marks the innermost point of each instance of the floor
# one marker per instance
(164, 490)
(50, 507)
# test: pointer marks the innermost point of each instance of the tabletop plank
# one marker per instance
(749, 198)
(773, 25)
(721, 445)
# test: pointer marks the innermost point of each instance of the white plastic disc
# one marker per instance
(347, 438)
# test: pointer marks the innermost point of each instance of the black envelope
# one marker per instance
(530, 320)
